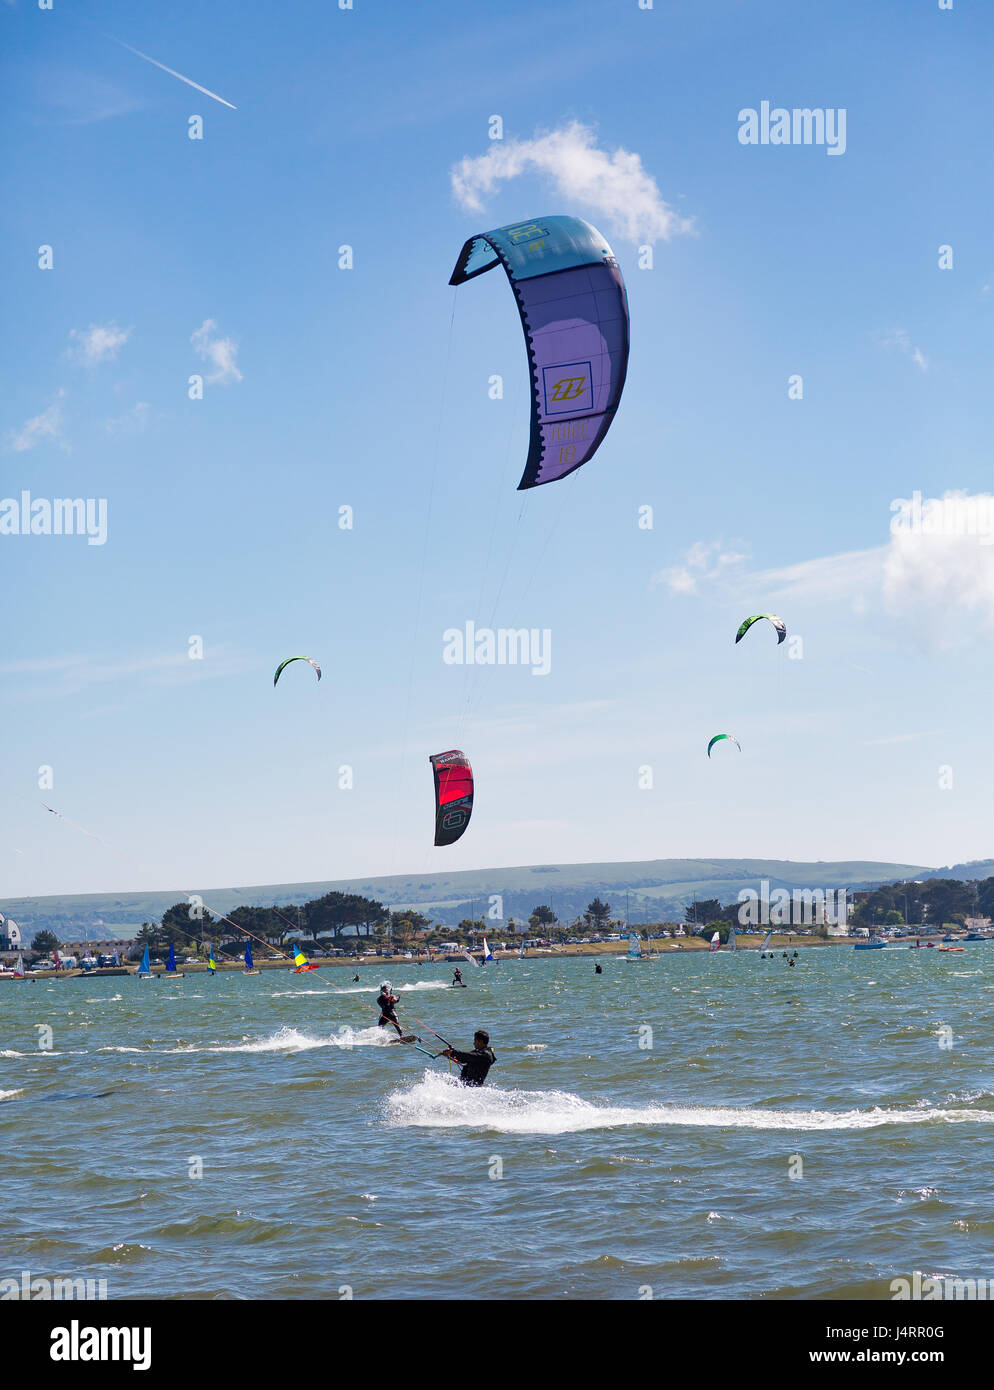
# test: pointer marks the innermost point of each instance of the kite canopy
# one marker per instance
(279, 669)
(453, 794)
(778, 623)
(717, 739)
(574, 312)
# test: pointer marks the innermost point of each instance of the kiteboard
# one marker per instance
(458, 984)
(408, 1038)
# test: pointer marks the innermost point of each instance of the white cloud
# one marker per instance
(101, 342)
(47, 425)
(943, 584)
(614, 185)
(220, 352)
(702, 563)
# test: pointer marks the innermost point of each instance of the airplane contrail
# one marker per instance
(171, 73)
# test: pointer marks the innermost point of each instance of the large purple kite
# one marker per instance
(574, 312)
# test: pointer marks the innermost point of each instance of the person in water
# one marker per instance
(388, 1003)
(598, 969)
(355, 979)
(457, 976)
(475, 1064)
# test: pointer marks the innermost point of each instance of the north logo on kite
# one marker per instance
(567, 393)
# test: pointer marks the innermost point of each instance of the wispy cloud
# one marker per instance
(612, 185)
(220, 352)
(849, 576)
(900, 738)
(938, 579)
(72, 672)
(702, 563)
(101, 342)
(899, 340)
(189, 82)
(38, 430)
(132, 421)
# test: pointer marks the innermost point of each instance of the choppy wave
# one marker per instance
(397, 989)
(5, 1095)
(294, 1040)
(440, 1102)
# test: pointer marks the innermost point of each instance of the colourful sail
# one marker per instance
(634, 946)
(211, 962)
(301, 963)
(715, 942)
(453, 794)
(171, 962)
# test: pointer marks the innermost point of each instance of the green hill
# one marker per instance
(658, 889)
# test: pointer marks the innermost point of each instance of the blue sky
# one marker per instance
(368, 388)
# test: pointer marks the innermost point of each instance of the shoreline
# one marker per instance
(614, 949)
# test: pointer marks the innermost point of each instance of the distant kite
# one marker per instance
(453, 794)
(717, 739)
(574, 312)
(778, 623)
(283, 664)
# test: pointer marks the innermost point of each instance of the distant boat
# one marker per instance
(715, 942)
(731, 939)
(211, 962)
(145, 969)
(171, 964)
(19, 967)
(249, 963)
(634, 947)
(766, 942)
(875, 943)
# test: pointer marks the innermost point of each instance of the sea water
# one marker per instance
(702, 1126)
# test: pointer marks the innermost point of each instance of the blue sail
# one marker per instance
(171, 962)
(146, 967)
(248, 956)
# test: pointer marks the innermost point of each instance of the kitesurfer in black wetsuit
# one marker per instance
(598, 969)
(388, 1003)
(475, 1064)
(457, 976)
